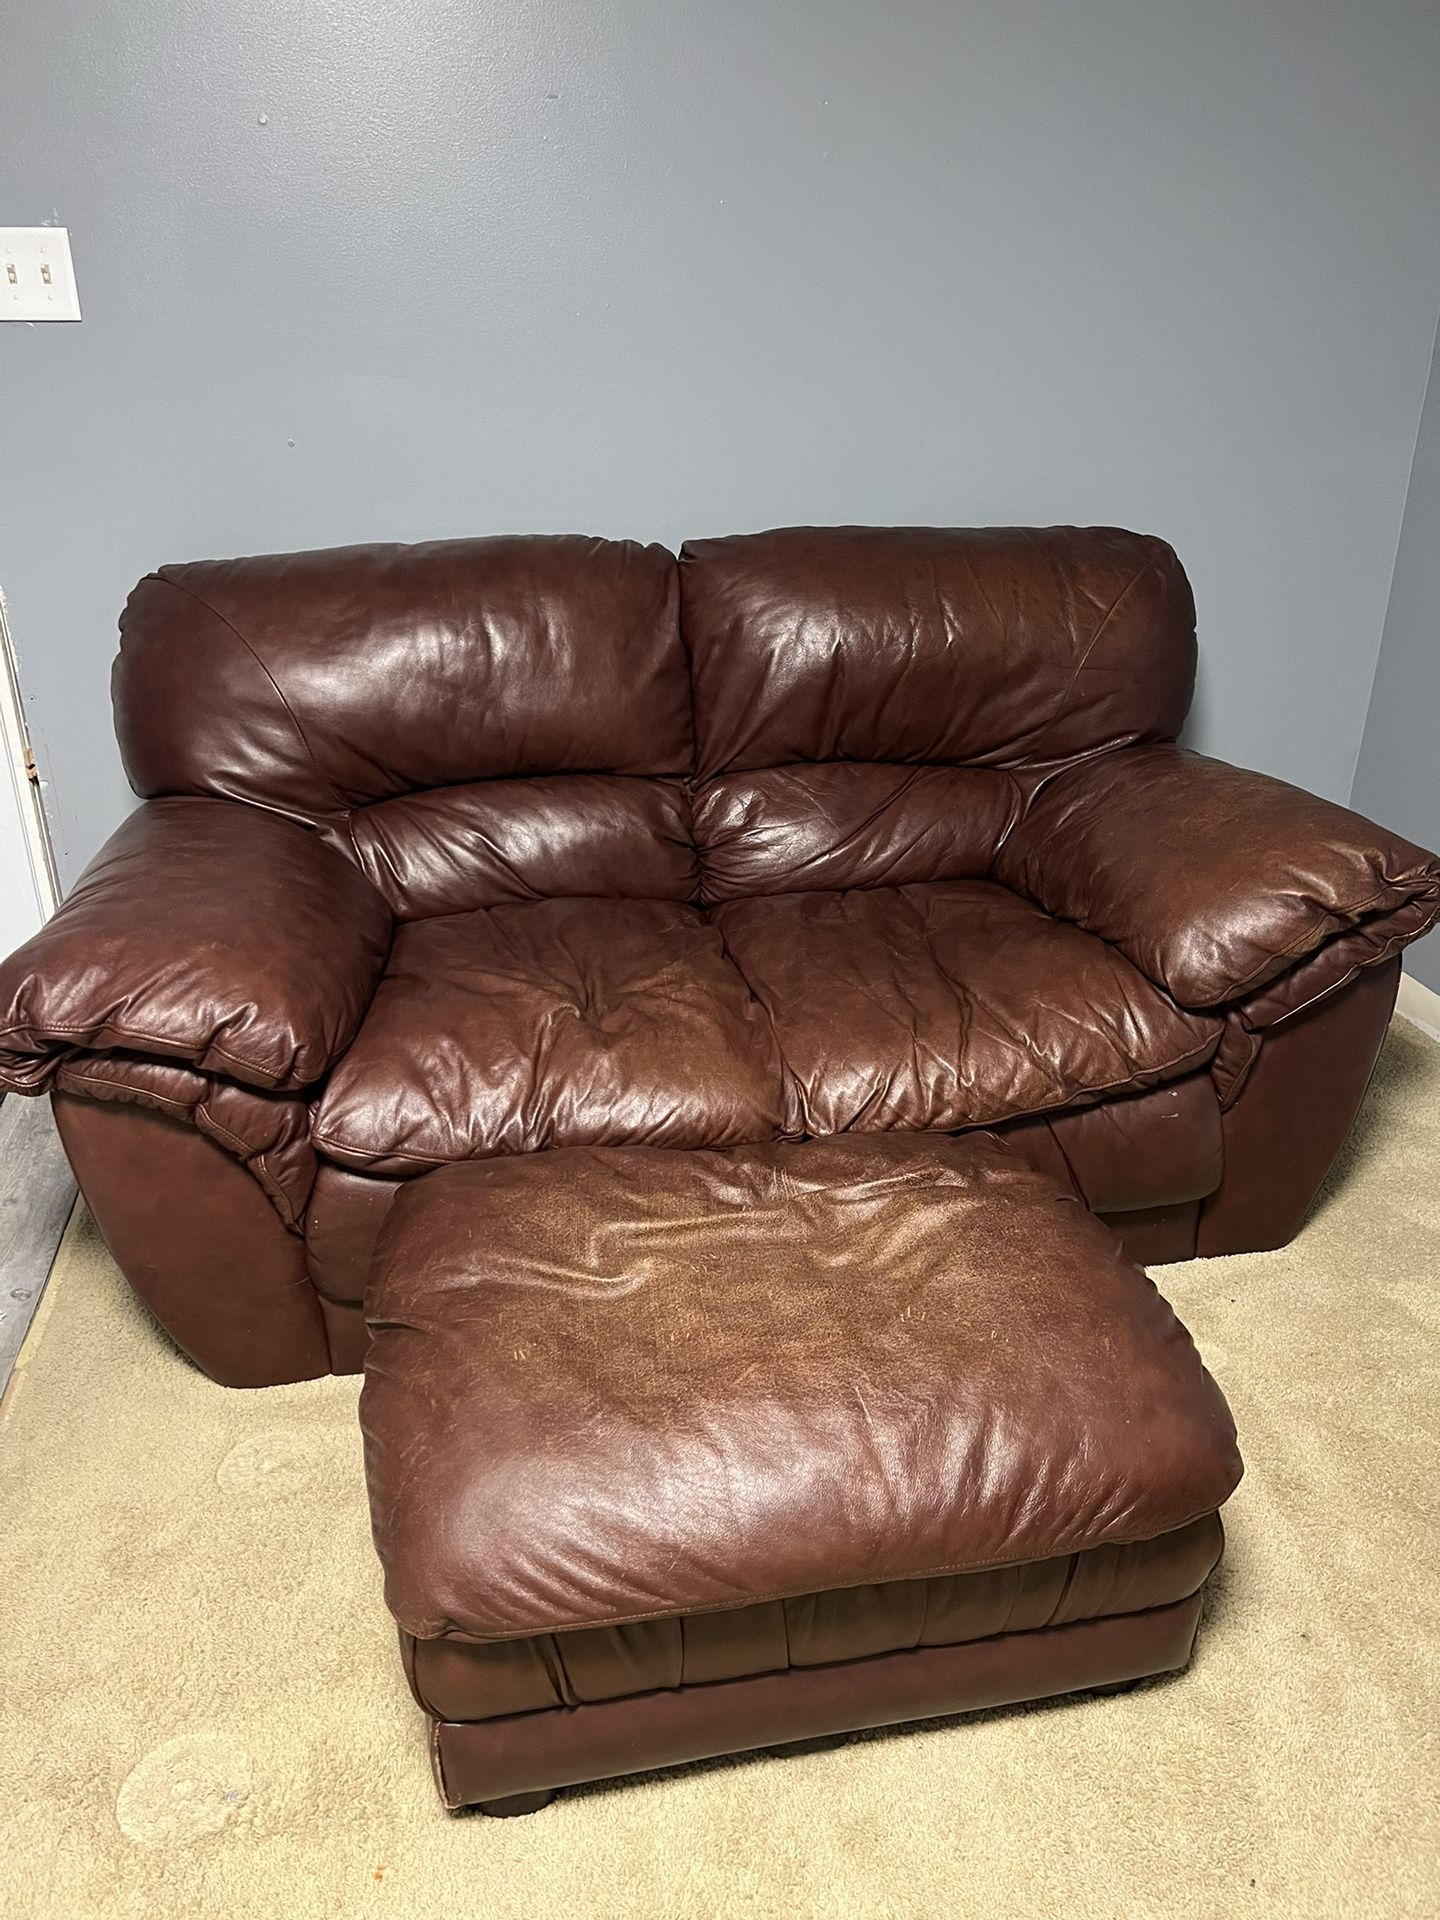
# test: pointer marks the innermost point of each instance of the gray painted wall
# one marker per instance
(1397, 779)
(404, 268)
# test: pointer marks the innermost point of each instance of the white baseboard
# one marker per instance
(29, 888)
(1420, 1004)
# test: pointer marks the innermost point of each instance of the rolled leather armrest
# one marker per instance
(207, 931)
(1211, 879)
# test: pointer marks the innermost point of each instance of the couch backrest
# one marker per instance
(482, 720)
(870, 702)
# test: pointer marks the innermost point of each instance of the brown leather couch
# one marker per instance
(492, 846)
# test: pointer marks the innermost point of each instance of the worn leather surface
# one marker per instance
(458, 1679)
(992, 646)
(948, 1006)
(201, 931)
(557, 1024)
(1211, 879)
(314, 682)
(761, 1374)
(477, 1761)
(802, 828)
(199, 1242)
(1141, 1155)
(498, 842)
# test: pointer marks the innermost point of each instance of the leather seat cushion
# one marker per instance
(459, 1679)
(613, 1386)
(948, 1005)
(553, 1024)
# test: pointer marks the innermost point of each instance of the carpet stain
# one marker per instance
(272, 1463)
(190, 1786)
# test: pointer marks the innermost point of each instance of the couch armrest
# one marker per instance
(203, 930)
(1213, 880)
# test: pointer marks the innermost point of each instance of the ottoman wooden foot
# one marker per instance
(517, 1803)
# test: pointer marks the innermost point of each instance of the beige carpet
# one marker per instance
(203, 1713)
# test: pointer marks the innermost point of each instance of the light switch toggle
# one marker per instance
(39, 279)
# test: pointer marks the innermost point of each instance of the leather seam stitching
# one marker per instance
(300, 733)
(1344, 920)
(162, 1103)
(54, 1027)
(1197, 1057)
(373, 1156)
(1062, 705)
(243, 1151)
(499, 1721)
(1387, 953)
(255, 1160)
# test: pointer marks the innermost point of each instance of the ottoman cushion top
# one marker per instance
(611, 1385)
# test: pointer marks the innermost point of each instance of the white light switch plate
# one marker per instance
(37, 278)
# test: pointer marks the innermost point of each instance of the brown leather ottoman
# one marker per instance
(676, 1454)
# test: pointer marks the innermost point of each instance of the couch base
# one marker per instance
(1158, 1236)
(347, 1334)
(494, 1764)
(1293, 1113)
(197, 1239)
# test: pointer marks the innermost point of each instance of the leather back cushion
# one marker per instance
(1006, 647)
(828, 826)
(496, 842)
(312, 683)
(509, 719)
